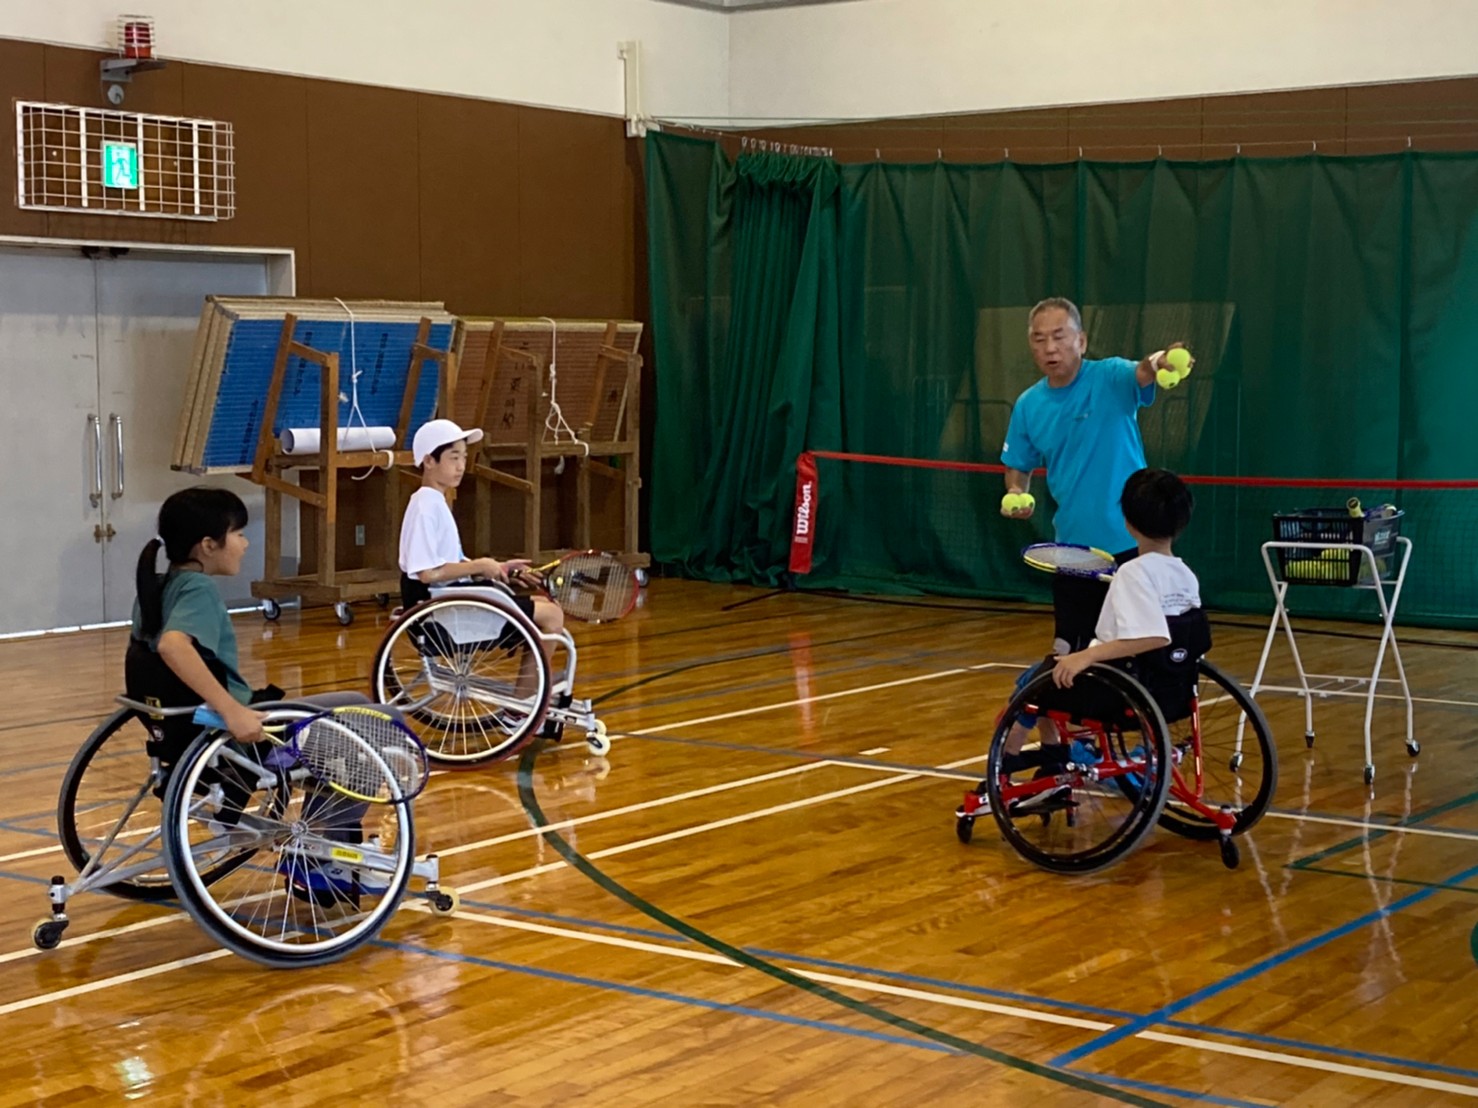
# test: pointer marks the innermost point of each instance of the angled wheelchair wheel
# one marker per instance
(1224, 758)
(315, 874)
(1083, 805)
(469, 673)
(109, 805)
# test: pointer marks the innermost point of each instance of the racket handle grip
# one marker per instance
(207, 717)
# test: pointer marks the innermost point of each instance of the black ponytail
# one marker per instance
(185, 519)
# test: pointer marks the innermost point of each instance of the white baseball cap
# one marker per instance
(436, 433)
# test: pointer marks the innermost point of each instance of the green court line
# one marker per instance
(1373, 835)
(1446, 886)
(780, 973)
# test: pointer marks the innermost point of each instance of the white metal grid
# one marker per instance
(186, 167)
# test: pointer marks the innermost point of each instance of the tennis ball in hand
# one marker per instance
(1017, 501)
(1179, 360)
(1167, 378)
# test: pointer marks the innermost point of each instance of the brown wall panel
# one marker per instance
(1275, 124)
(22, 77)
(363, 192)
(269, 115)
(1137, 132)
(571, 253)
(1431, 115)
(1033, 137)
(470, 169)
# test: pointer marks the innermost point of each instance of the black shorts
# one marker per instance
(1076, 604)
(413, 592)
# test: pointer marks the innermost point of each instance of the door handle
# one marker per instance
(117, 422)
(96, 496)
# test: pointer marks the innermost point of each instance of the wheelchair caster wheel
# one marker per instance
(445, 901)
(271, 611)
(598, 744)
(1309, 739)
(641, 577)
(1370, 775)
(345, 613)
(1231, 857)
(1236, 763)
(382, 599)
(47, 934)
(964, 828)
(1413, 747)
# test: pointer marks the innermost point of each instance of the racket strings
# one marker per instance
(340, 748)
(592, 587)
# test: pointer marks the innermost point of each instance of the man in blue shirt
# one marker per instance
(1080, 422)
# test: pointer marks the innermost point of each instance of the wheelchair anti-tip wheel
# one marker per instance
(469, 672)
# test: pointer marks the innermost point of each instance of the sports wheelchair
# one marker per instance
(1164, 737)
(468, 669)
(269, 861)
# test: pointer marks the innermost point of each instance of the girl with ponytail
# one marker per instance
(179, 617)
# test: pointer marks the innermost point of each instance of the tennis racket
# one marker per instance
(349, 749)
(1070, 560)
(589, 585)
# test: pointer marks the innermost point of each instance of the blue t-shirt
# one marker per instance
(1087, 437)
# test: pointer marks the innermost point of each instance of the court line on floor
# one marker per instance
(981, 990)
(1013, 1011)
(660, 994)
(583, 864)
(1257, 969)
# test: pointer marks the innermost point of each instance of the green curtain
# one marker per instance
(1328, 301)
(744, 289)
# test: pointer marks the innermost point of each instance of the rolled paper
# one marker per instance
(304, 440)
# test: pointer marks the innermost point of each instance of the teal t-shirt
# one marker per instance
(193, 607)
(1087, 437)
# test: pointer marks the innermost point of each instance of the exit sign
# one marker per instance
(120, 165)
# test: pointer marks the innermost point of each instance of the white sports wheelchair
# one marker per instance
(470, 671)
(272, 863)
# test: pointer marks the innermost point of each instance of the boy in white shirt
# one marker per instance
(1144, 592)
(430, 546)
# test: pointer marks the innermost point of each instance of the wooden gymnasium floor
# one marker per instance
(785, 784)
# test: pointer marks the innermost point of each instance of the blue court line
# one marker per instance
(16, 829)
(999, 994)
(1335, 1051)
(1168, 1090)
(887, 975)
(1118, 1034)
(1372, 836)
(660, 994)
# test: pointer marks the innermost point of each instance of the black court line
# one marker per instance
(741, 957)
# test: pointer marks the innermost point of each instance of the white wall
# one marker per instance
(877, 58)
(553, 53)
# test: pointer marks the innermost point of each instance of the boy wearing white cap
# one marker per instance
(430, 547)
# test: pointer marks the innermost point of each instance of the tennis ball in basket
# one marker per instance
(1334, 555)
(1167, 378)
(1179, 360)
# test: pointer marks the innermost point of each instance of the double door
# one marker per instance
(95, 353)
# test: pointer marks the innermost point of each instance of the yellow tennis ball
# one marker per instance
(1028, 500)
(1333, 555)
(1167, 378)
(1179, 360)
(1011, 502)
